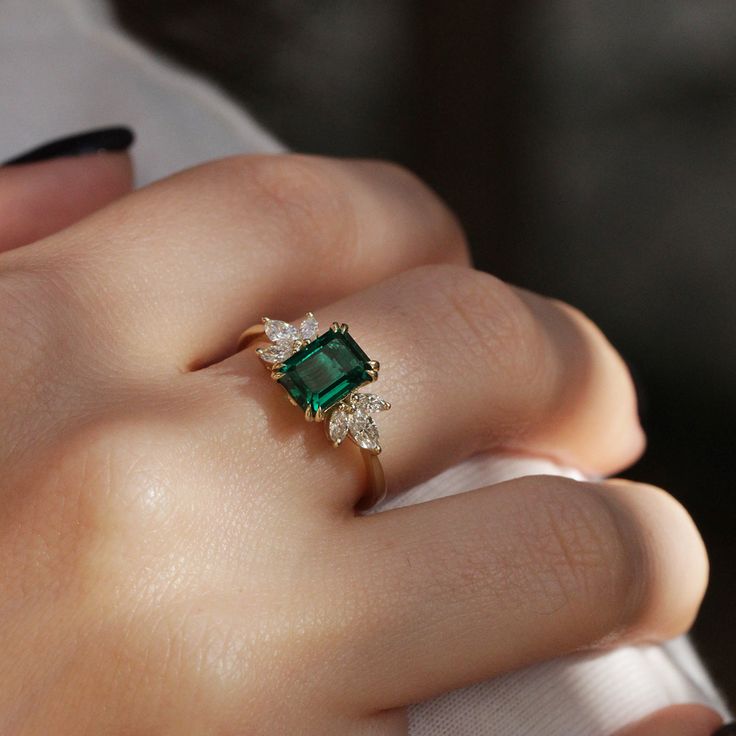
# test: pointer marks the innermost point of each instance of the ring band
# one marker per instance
(321, 375)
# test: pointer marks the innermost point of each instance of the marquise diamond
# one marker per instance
(281, 332)
(309, 328)
(352, 418)
(287, 339)
(339, 425)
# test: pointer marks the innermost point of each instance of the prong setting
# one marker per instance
(322, 374)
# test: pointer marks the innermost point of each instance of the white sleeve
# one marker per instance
(65, 67)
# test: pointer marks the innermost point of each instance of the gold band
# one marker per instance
(376, 485)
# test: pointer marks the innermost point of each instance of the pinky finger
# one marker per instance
(677, 720)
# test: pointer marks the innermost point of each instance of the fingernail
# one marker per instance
(728, 730)
(103, 140)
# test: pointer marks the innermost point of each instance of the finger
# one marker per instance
(469, 365)
(462, 589)
(677, 720)
(39, 199)
(194, 259)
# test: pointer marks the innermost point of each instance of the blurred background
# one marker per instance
(590, 150)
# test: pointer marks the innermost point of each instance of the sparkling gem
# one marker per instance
(276, 353)
(339, 425)
(325, 371)
(364, 431)
(309, 327)
(370, 403)
(278, 331)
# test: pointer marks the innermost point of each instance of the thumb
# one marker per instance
(51, 187)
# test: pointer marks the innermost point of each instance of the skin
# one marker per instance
(179, 552)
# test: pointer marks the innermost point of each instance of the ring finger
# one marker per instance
(469, 364)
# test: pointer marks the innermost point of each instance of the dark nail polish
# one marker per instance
(103, 140)
(727, 730)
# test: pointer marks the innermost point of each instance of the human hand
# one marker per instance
(179, 554)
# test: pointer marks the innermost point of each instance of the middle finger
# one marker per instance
(180, 265)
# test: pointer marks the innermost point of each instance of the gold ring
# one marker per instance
(321, 375)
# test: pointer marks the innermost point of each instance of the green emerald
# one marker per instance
(325, 371)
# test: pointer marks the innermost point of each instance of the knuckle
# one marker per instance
(584, 558)
(486, 320)
(427, 207)
(126, 460)
(301, 196)
(107, 480)
(99, 512)
(604, 385)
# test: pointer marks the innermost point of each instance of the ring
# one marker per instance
(321, 375)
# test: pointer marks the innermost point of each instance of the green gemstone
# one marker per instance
(325, 371)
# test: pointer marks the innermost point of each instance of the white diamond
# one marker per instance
(276, 353)
(309, 327)
(370, 403)
(278, 331)
(339, 425)
(365, 432)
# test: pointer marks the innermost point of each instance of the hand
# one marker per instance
(179, 552)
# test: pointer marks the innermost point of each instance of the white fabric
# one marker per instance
(64, 67)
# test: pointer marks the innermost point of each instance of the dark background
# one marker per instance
(588, 146)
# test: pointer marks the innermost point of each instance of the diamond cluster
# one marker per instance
(352, 417)
(287, 339)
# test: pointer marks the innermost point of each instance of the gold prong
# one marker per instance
(265, 320)
(374, 365)
(343, 327)
(308, 413)
(335, 327)
(275, 375)
(309, 315)
(319, 416)
(277, 367)
(373, 375)
(326, 427)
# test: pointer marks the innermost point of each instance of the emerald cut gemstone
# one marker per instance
(325, 371)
